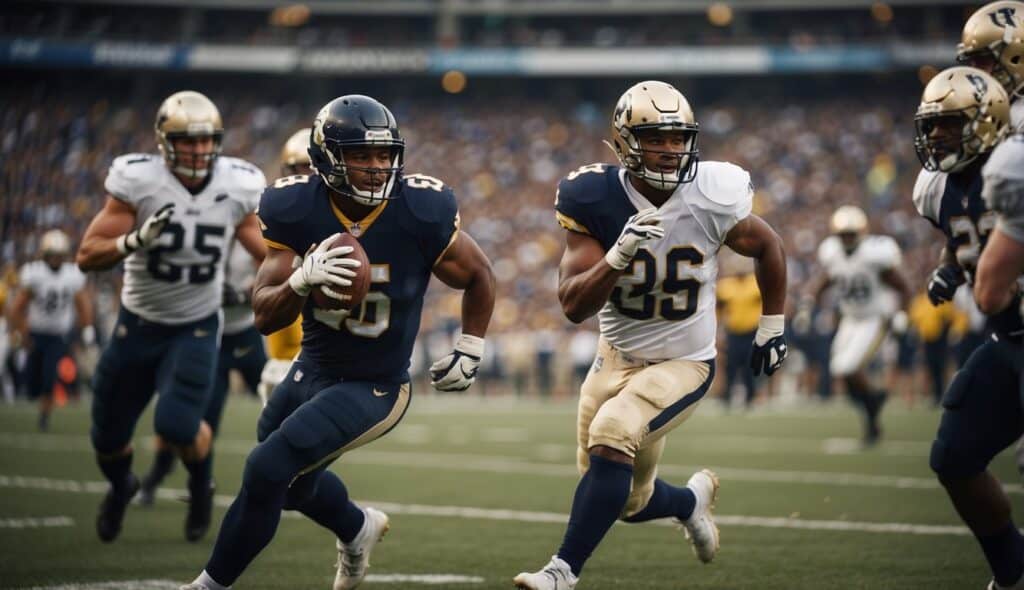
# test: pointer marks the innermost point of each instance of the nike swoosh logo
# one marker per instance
(240, 352)
(464, 374)
(379, 393)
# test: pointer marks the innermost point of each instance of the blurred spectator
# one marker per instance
(739, 304)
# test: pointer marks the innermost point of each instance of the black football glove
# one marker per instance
(770, 347)
(943, 283)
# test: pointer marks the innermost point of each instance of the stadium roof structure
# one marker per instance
(517, 7)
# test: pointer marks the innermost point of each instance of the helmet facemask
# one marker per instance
(337, 176)
(957, 142)
(991, 59)
(174, 159)
(633, 156)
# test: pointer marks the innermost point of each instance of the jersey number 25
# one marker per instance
(641, 304)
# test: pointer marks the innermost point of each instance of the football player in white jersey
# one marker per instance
(865, 270)
(170, 218)
(641, 252)
(993, 41)
(51, 298)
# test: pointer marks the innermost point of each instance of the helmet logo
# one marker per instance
(624, 110)
(318, 125)
(1007, 15)
(980, 87)
(373, 136)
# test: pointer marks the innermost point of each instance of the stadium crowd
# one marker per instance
(504, 158)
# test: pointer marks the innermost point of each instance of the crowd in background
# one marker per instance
(504, 158)
(303, 28)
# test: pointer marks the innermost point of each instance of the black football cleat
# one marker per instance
(200, 510)
(108, 522)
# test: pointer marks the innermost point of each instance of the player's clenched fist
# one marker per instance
(324, 266)
(457, 371)
(149, 231)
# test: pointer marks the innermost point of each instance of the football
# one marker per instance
(354, 293)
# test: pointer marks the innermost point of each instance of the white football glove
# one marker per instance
(325, 268)
(899, 323)
(457, 371)
(645, 225)
(149, 231)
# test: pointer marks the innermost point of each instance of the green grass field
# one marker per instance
(479, 489)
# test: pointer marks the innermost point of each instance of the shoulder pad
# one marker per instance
(724, 184)
(882, 250)
(429, 199)
(243, 174)
(288, 203)
(828, 249)
(586, 184)
(1007, 160)
(132, 175)
(928, 190)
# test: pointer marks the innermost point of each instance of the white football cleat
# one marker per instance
(700, 527)
(556, 575)
(354, 557)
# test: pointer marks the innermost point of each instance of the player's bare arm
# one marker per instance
(465, 266)
(1001, 263)
(754, 238)
(585, 279)
(249, 236)
(99, 250)
(275, 303)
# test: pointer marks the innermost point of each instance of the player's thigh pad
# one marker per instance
(343, 417)
(981, 413)
(123, 383)
(185, 381)
(655, 399)
(608, 375)
(856, 342)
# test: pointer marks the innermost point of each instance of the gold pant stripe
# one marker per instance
(375, 432)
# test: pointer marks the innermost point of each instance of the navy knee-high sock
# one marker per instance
(331, 508)
(163, 464)
(600, 498)
(248, 527)
(200, 473)
(1005, 554)
(116, 470)
(667, 500)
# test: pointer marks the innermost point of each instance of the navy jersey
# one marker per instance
(953, 204)
(403, 237)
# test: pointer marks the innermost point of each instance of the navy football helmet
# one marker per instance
(349, 121)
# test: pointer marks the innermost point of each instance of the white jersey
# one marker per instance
(180, 278)
(1017, 116)
(240, 273)
(858, 275)
(51, 310)
(663, 306)
(1003, 189)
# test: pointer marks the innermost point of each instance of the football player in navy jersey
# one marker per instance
(350, 384)
(964, 113)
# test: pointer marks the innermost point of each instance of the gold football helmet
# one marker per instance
(964, 112)
(993, 41)
(55, 242)
(295, 154)
(188, 114)
(647, 107)
(851, 225)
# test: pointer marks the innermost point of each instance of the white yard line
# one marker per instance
(468, 512)
(424, 579)
(518, 465)
(36, 523)
(115, 585)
